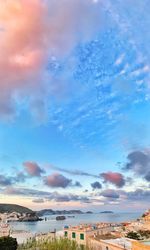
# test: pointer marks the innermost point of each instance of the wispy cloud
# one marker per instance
(73, 172)
(38, 200)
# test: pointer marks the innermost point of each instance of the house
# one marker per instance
(82, 233)
(110, 244)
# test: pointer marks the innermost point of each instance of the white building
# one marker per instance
(4, 230)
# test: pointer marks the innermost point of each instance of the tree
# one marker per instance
(144, 233)
(8, 243)
(133, 235)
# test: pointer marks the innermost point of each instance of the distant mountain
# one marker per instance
(53, 212)
(106, 212)
(13, 208)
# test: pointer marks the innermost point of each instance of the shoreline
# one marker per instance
(51, 224)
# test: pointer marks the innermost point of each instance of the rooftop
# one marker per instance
(88, 227)
(124, 242)
(109, 236)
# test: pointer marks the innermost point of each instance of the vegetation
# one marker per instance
(145, 234)
(139, 235)
(13, 208)
(133, 235)
(55, 244)
(8, 243)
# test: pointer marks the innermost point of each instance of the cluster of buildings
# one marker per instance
(142, 223)
(7, 217)
(146, 219)
(4, 226)
(82, 233)
(100, 236)
(109, 236)
(15, 216)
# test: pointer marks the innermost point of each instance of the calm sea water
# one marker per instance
(51, 223)
(147, 243)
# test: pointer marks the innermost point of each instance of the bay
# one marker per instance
(50, 224)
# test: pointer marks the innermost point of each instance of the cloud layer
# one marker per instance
(41, 196)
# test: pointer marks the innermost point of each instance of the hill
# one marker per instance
(13, 208)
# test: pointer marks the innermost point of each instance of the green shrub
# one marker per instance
(56, 244)
(8, 243)
(139, 235)
(133, 235)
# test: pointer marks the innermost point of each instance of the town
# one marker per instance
(128, 235)
(134, 235)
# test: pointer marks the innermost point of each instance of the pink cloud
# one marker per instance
(57, 180)
(114, 177)
(33, 169)
(30, 32)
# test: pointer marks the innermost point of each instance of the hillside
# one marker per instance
(13, 208)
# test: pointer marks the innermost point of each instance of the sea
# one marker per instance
(51, 224)
(147, 243)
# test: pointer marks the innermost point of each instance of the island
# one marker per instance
(106, 212)
(60, 217)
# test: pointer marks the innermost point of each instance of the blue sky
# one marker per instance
(75, 103)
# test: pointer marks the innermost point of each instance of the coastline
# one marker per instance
(24, 231)
(50, 224)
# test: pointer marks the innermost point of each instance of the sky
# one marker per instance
(75, 104)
